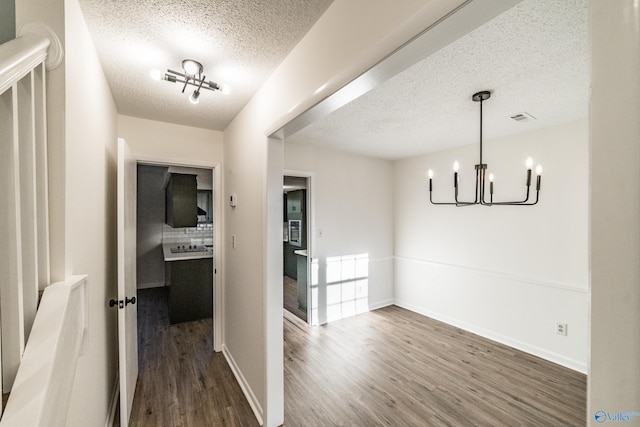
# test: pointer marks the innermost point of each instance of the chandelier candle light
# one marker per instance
(481, 175)
(192, 76)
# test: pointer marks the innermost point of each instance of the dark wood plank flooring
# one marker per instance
(181, 381)
(393, 367)
(389, 367)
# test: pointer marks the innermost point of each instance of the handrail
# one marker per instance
(19, 56)
(40, 394)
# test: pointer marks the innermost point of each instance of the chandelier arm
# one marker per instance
(521, 203)
(212, 86)
(456, 203)
(185, 85)
(201, 81)
(431, 196)
(483, 188)
(462, 203)
(526, 200)
(440, 203)
(196, 83)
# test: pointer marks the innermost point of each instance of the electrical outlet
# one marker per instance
(233, 241)
(561, 328)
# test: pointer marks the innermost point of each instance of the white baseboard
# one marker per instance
(380, 304)
(150, 285)
(559, 359)
(244, 385)
(115, 397)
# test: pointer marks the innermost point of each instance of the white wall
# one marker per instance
(504, 272)
(150, 139)
(353, 208)
(90, 220)
(349, 38)
(614, 377)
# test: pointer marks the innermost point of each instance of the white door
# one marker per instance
(127, 308)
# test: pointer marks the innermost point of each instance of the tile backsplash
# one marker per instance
(202, 232)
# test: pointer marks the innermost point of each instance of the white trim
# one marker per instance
(174, 161)
(567, 362)
(115, 398)
(244, 385)
(498, 274)
(55, 50)
(381, 304)
(19, 56)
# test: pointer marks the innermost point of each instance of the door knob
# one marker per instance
(122, 304)
(114, 302)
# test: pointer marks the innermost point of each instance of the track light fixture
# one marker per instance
(481, 175)
(192, 75)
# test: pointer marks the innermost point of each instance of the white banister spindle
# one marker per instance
(27, 192)
(42, 182)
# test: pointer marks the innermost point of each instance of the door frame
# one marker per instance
(218, 220)
(310, 231)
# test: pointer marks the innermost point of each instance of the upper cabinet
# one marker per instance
(181, 200)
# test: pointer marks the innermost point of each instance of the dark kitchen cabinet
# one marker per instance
(191, 291)
(181, 201)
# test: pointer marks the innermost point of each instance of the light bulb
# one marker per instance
(155, 74)
(529, 163)
(539, 170)
(195, 97)
(456, 166)
(191, 67)
(491, 177)
(430, 173)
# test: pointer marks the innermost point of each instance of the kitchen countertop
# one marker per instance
(169, 256)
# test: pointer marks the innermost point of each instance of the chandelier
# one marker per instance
(192, 75)
(481, 175)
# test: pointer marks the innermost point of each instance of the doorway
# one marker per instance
(295, 246)
(175, 210)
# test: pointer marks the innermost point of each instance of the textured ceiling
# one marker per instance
(239, 43)
(534, 58)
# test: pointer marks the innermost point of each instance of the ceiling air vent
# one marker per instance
(523, 117)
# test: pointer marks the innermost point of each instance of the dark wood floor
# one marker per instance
(290, 295)
(392, 367)
(181, 381)
(389, 367)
